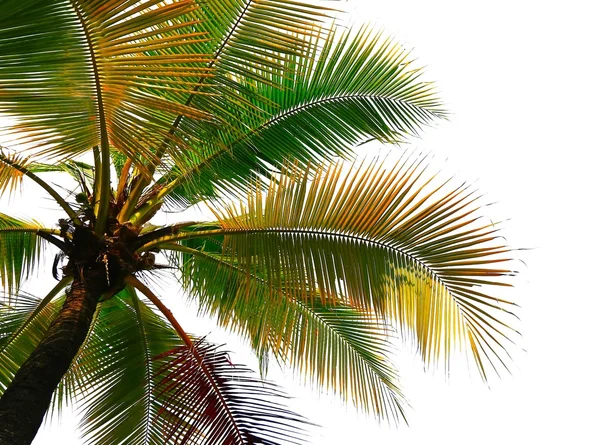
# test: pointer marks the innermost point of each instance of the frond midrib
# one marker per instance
(102, 176)
(148, 358)
(370, 241)
(214, 60)
(334, 98)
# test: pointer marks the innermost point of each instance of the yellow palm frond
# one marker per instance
(380, 239)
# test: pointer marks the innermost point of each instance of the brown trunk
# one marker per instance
(27, 398)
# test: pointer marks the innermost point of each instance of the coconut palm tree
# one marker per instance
(246, 107)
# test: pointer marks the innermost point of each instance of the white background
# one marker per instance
(521, 80)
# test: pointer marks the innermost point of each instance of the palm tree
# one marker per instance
(245, 107)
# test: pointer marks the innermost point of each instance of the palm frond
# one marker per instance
(120, 378)
(378, 239)
(14, 166)
(337, 346)
(250, 37)
(77, 170)
(113, 375)
(20, 251)
(78, 74)
(10, 177)
(244, 409)
(345, 88)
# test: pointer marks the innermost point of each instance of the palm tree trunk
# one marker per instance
(27, 398)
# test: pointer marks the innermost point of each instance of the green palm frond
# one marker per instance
(379, 240)
(337, 346)
(20, 250)
(346, 88)
(250, 38)
(37, 84)
(250, 41)
(113, 375)
(127, 381)
(78, 74)
(23, 322)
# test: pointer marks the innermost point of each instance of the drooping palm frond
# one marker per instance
(244, 411)
(120, 379)
(80, 172)
(78, 74)
(345, 88)
(377, 240)
(23, 322)
(20, 250)
(337, 347)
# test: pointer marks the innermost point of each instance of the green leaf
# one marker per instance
(79, 74)
(345, 88)
(113, 375)
(20, 251)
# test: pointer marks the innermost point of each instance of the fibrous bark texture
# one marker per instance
(27, 398)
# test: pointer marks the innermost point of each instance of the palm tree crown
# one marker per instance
(247, 107)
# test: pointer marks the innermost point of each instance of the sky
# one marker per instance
(521, 82)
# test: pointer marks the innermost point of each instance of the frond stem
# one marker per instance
(102, 194)
(59, 199)
(97, 168)
(163, 232)
(30, 230)
(138, 285)
(58, 243)
(123, 178)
